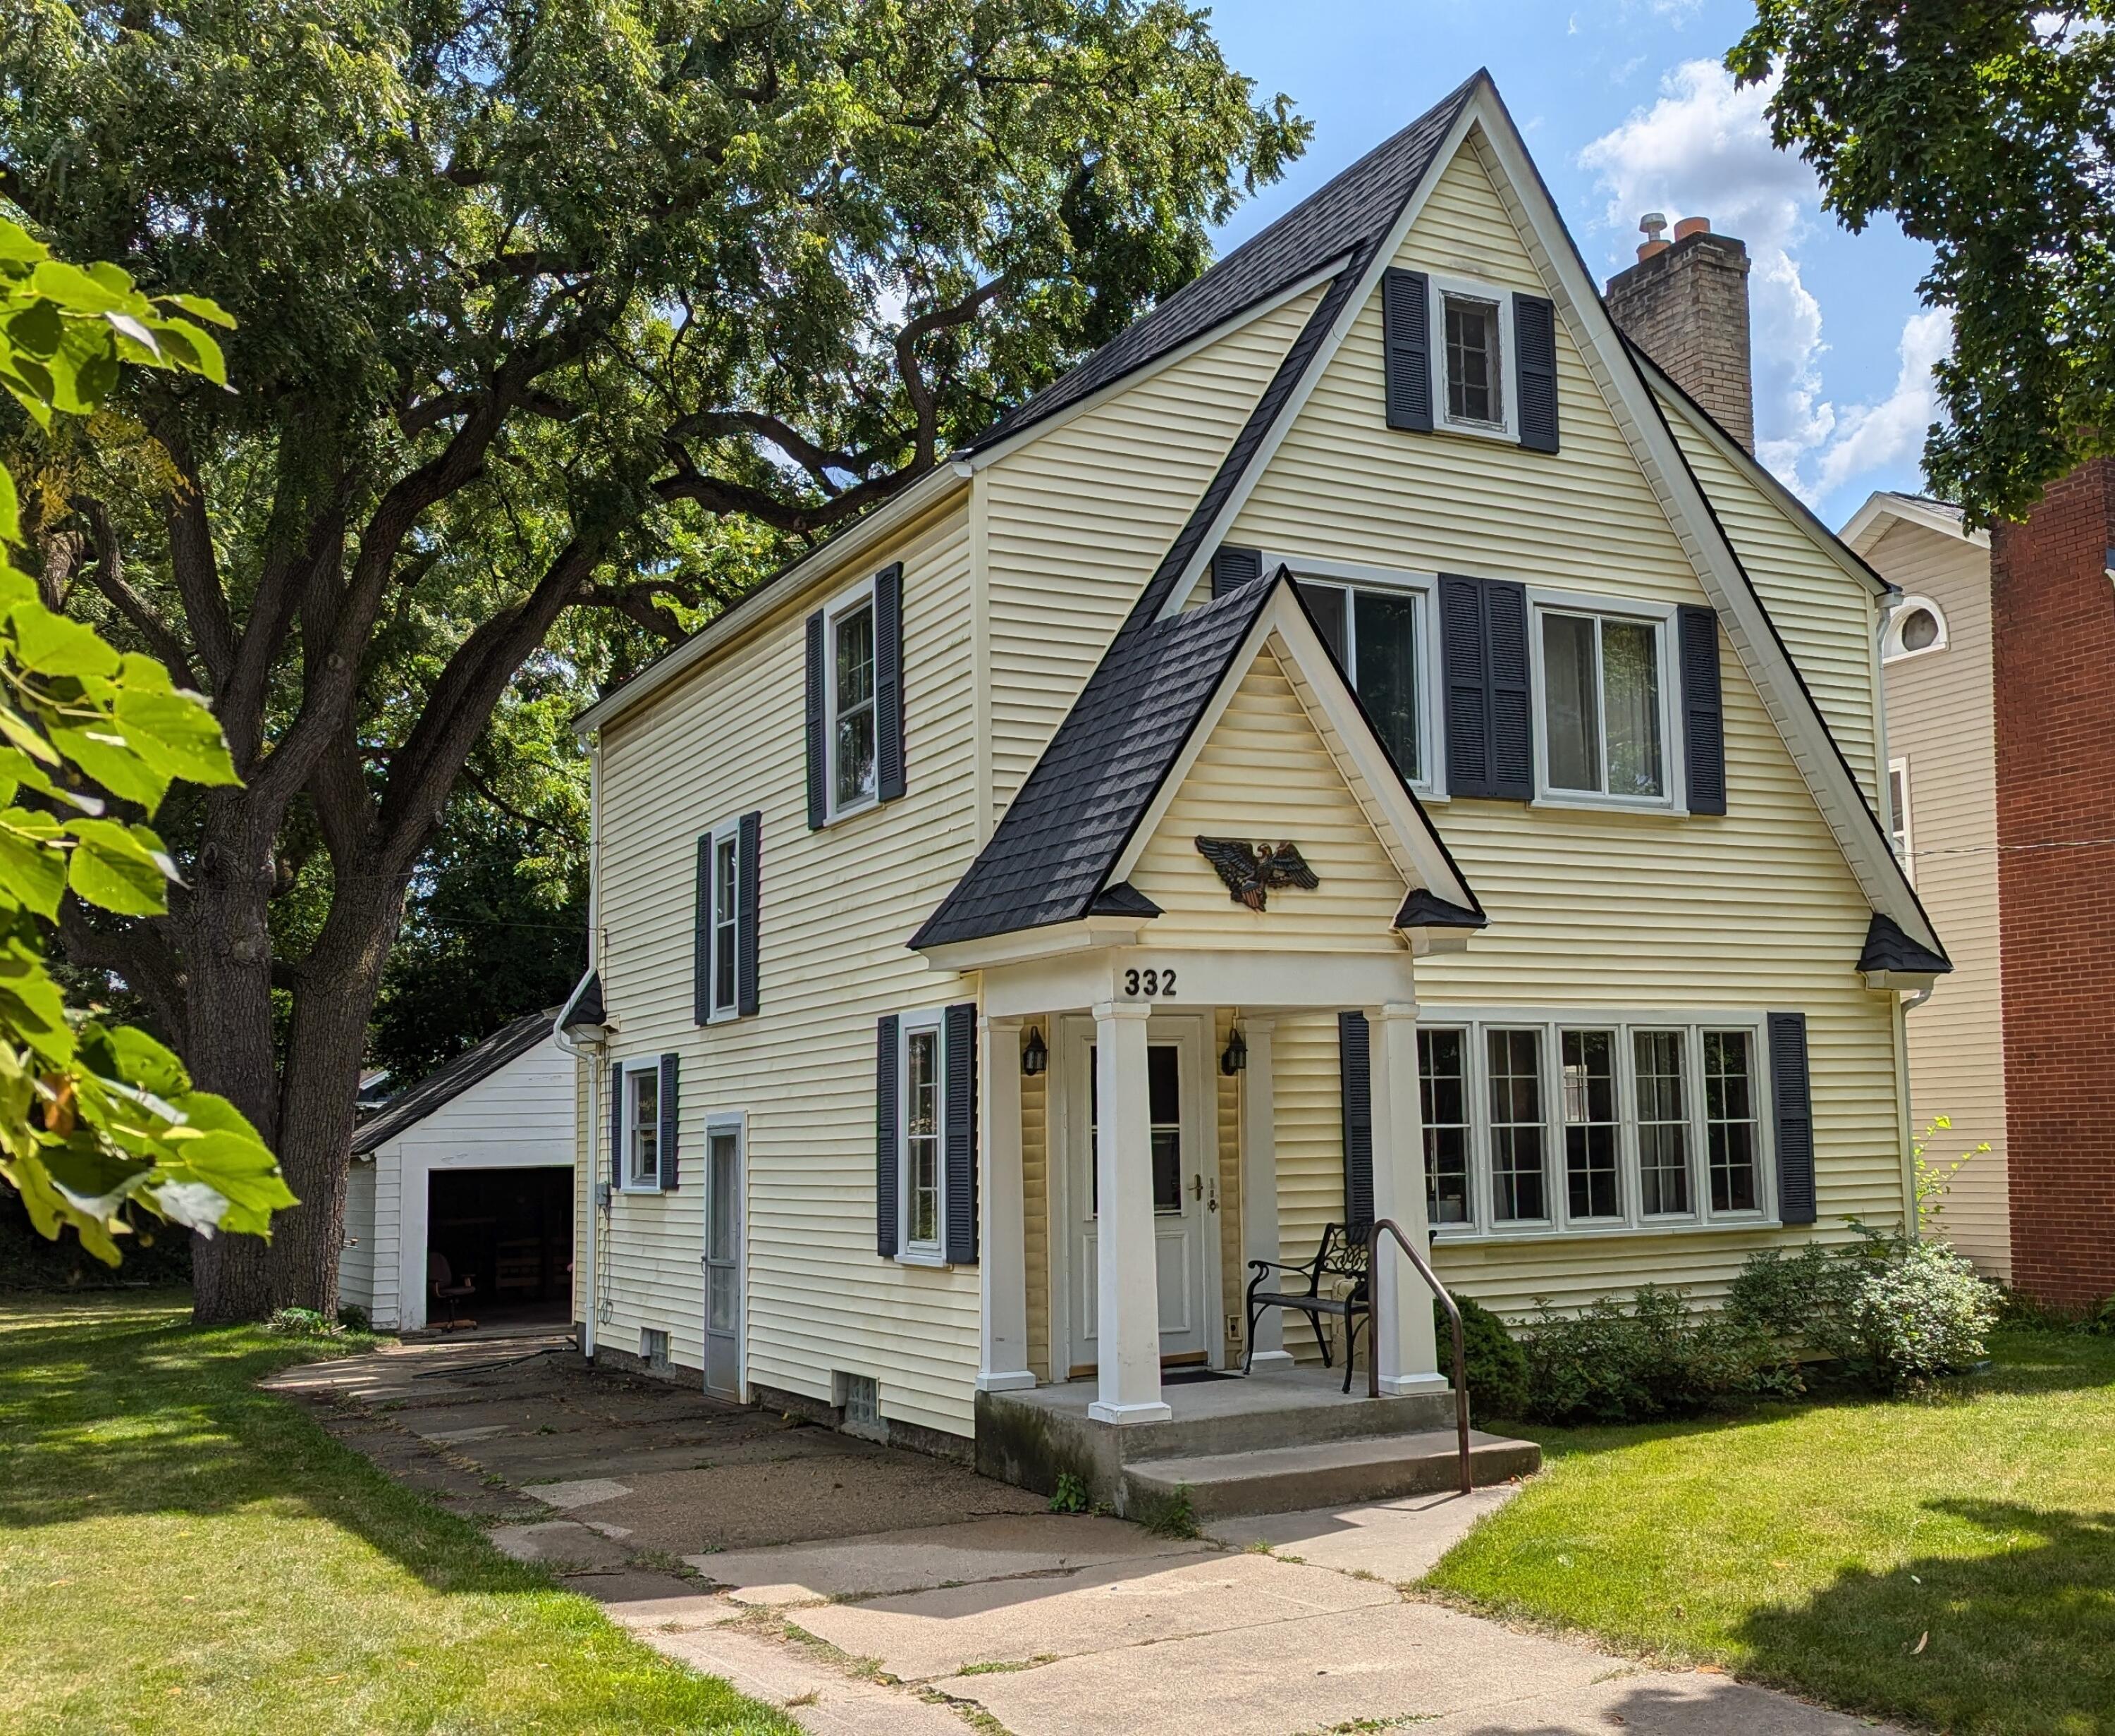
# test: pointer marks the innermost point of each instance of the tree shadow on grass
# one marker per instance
(122, 1412)
(2020, 1637)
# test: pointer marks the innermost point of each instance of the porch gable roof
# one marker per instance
(1051, 858)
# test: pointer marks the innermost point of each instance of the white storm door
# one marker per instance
(722, 1260)
(1185, 1197)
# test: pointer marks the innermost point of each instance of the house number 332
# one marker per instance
(1149, 983)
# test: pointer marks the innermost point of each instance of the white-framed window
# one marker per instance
(1378, 624)
(922, 1113)
(1593, 1122)
(851, 731)
(1604, 701)
(723, 921)
(1917, 625)
(642, 1125)
(1899, 834)
(1474, 385)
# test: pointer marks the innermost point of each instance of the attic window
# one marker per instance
(1474, 374)
(1917, 626)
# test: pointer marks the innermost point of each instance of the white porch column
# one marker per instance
(1001, 1243)
(1404, 1348)
(1259, 1183)
(1127, 1295)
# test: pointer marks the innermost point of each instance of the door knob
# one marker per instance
(1197, 1187)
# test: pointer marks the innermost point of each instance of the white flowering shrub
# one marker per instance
(1917, 1312)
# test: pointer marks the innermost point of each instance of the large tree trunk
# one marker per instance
(226, 1038)
(325, 1047)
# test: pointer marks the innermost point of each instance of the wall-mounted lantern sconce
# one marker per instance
(1236, 1059)
(1035, 1056)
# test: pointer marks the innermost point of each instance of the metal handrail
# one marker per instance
(1454, 1319)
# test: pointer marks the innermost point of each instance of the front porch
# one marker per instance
(1275, 1441)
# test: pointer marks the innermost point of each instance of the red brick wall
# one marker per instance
(2054, 610)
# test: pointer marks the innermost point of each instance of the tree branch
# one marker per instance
(108, 575)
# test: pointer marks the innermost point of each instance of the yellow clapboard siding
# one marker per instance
(1941, 719)
(836, 907)
(1076, 521)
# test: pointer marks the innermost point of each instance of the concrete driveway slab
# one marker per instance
(816, 1698)
(999, 1547)
(1396, 1541)
(583, 1491)
(1655, 1703)
(1125, 1603)
(561, 1544)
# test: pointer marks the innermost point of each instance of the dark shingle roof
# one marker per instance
(1356, 207)
(1889, 948)
(1062, 834)
(409, 1107)
(584, 1007)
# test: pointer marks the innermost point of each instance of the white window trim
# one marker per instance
(1472, 289)
(1661, 616)
(1899, 815)
(932, 1253)
(723, 832)
(843, 603)
(1892, 648)
(1431, 785)
(631, 1183)
(1547, 1022)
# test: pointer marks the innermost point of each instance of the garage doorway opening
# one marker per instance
(507, 1233)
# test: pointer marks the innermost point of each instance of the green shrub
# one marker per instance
(1919, 1310)
(1610, 1363)
(303, 1323)
(1495, 1364)
(354, 1318)
(2101, 1321)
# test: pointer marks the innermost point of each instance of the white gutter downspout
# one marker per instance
(591, 1050)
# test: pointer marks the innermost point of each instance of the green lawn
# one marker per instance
(179, 1552)
(1818, 1547)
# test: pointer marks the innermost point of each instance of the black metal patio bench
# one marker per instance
(1341, 1257)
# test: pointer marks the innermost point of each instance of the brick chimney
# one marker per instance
(2052, 630)
(1685, 303)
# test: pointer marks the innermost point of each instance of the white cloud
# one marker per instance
(1704, 149)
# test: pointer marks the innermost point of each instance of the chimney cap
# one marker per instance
(1690, 226)
(1651, 224)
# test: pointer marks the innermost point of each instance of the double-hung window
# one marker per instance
(722, 919)
(1545, 1123)
(850, 730)
(1377, 623)
(642, 1127)
(1603, 688)
(922, 1104)
(1475, 388)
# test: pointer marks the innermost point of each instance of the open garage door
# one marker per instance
(508, 1234)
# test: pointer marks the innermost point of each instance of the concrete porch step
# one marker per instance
(1324, 1473)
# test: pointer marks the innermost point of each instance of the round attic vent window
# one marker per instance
(1917, 626)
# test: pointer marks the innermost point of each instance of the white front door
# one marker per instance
(1186, 1190)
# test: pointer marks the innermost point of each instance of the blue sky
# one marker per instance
(1625, 109)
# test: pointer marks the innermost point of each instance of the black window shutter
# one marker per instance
(617, 1123)
(701, 936)
(1407, 322)
(1703, 710)
(885, 1085)
(818, 807)
(1792, 1108)
(1534, 364)
(889, 679)
(1233, 566)
(670, 1120)
(1464, 676)
(1355, 1071)
(961, 1140)
(748, 850)
(1512, 711)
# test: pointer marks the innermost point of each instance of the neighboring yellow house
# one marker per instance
(1363, 744)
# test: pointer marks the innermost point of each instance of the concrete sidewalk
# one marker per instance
(877, 1593)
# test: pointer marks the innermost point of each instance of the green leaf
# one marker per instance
(130, 1055)
(18, 246)
(112, 868)
(200, 307)
(32, 866)
(76, 291)
(30, 1008)
(174, 733)
(51, 645)
(241, 1170)
(97, 1177)
(37, 328)
(111, 760)
(10, 510)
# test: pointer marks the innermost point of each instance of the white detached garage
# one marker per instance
(468, 1172)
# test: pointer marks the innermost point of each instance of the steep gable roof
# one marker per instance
(408, 1108)
(1354, 207)
(1052, 857)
